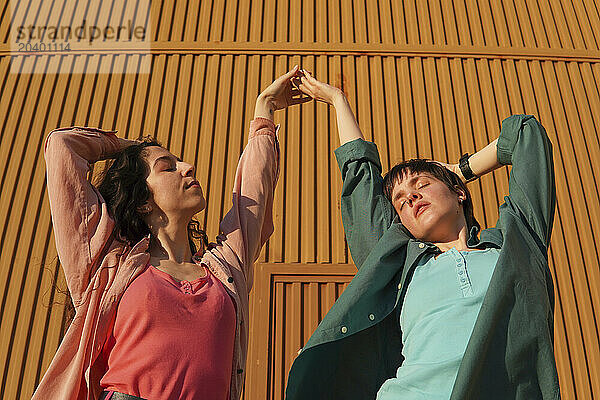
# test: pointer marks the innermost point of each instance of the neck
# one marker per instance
(172, 243)
(458, 240)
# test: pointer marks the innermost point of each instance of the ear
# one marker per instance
(462, 196)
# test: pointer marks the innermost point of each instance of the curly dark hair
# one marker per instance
(123, 186)
(439, 172)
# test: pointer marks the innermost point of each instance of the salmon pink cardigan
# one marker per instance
(98, 268)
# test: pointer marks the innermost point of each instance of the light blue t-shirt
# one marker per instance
(437, 317)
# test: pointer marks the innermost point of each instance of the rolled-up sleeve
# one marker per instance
(249, 223)
(366, 213)
(81, 222)
(524, 144)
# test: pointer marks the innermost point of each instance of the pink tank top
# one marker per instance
(172, 340)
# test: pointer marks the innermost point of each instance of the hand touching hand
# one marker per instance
(319, 90)
(279, 94)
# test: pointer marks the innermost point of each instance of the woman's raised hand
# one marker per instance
(348, 128)
(319, 90)
(279, 94)
(453, 168)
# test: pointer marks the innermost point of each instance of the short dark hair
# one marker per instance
(437, 171)
(123, 186)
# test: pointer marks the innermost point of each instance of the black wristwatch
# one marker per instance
(465, 168)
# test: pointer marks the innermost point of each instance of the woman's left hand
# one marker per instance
(278, 95)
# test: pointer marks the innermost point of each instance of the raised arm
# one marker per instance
(366, 213)
(249, 222)
(524, 144)
(80, 218)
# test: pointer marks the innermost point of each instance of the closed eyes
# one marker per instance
(419, 186)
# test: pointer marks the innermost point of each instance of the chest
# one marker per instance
(180, 271)
(451, 283)
(155, 298)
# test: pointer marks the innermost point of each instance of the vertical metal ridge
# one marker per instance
(228, 160)
(208, 127)
(293, 200)
(308, 175)
(424, 23)
(322, 149)
(339, 251)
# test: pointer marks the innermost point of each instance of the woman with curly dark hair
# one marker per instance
(156, 317)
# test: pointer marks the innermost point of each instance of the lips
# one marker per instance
(192, 184)
(420, 207)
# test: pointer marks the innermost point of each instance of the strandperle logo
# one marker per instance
(83, 32)
(102, 37)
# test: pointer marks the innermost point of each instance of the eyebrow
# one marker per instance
(165, 158)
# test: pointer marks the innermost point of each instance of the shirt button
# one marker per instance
(344, 329)
(230, 279)
(421, 245)
(372, 317)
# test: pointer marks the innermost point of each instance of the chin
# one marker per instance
(427, 229)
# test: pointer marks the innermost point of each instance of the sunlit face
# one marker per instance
(427, 207)
(175, 190)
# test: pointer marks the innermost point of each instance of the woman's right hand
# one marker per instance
(319, 90)
(278, 95)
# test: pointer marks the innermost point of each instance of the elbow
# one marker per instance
(536, 128)
(54, 144)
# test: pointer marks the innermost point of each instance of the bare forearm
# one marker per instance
(483, 161)
(348, 128)
(264, 108)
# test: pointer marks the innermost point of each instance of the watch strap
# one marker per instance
(465, 168)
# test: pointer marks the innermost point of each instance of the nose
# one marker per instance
(414, 196)
(188, 169)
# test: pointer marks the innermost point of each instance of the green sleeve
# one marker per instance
(524, 144)
(366, 213)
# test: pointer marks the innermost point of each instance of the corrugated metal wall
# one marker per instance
(426, 78)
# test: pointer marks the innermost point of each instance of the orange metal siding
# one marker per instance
(425, 78)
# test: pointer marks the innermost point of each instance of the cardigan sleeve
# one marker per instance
(80, 219)
(249, 222)
(366, 213)
(524, 144)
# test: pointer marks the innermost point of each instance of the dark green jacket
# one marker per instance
(510, 354)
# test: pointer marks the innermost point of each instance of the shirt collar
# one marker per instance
(489, 238)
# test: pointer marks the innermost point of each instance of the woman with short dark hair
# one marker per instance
(437, 309)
